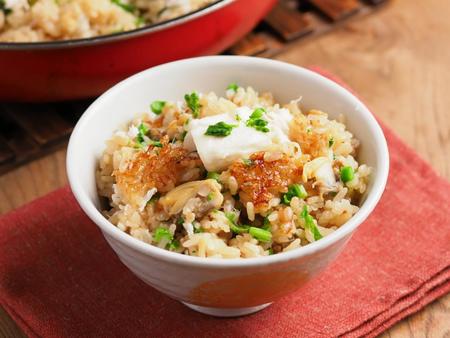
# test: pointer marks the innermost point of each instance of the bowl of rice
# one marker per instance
(227, 182)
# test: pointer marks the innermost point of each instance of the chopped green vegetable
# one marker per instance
(4, 9)
(157, 107)
(142, 131)
(180, 220)
(260, 234)
(210, 196)
(258, 113)
(239, 229)
(309, 224)
(220, 129)
(140, 21)
(270, 251)
(198, 230)
(248, 162)
(173, 245)
(233, 86)
(266, 223)
(233, 226)
(213, 175)
(193, 102)
(237, 117)
(297, 190)
(140, 139)
(347, 174)
(330, 142)
(156, 144)
(183, 135)
(256, 121)
(162, 233)
(126, 7)
(154, 198)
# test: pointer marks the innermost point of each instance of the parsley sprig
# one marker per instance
(142, 139)
(233, 86)
(126, 7)
(157, 106)
(220, 129)
(4, 9)
(309, 223)
(256, 121)
(294, 190)
(193, 103)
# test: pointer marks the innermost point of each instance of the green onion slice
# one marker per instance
(193, 102)
(162, 233)
(213, 175)
(260, 234)
(233, 86)
(157, 107)
(220, 129)
(347, 174)
(309, 224)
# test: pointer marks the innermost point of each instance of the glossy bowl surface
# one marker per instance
(215, 286)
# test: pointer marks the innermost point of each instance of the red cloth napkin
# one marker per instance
(59, 278)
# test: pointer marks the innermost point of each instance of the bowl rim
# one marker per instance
(103, 39)
(110, 230)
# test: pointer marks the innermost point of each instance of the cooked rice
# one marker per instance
(46, 20)
(155, 185)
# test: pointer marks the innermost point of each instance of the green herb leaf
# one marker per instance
(155, 143)
(157, 107)
(213, 175)
(142, 131)
(330, 142)
(173, 245)
(126, 7)
(309, 224)
(233, 86)
(266, 223)
(233, 226)
(193, 103)
(260, 234)
(180, 220)
(294, 190)
(210, 196)
(162, 233)
(257, 122)
(270, 251)
(154, 198)
(248, 162)
(220, 129)
(140, 21)
(257, 113)
(183, 135)
(347, 174)
(4, 9)
(140, 140)
(198, 230)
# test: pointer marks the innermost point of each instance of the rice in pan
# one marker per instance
(47, 20)
(231, 177)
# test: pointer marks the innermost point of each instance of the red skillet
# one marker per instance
(74, 69)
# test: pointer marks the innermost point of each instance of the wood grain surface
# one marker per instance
(399, 63)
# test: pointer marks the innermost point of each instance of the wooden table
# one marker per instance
(397, 60)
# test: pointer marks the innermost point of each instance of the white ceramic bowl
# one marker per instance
(215, 286)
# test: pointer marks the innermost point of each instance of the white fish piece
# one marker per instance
(217, 153)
